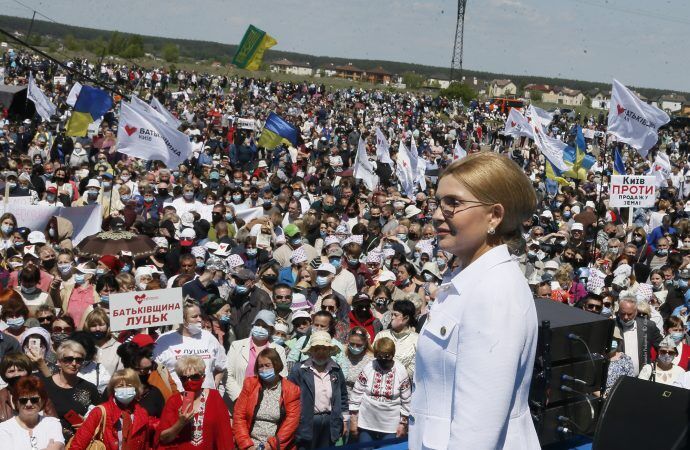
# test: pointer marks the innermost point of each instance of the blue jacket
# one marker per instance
(303, 377)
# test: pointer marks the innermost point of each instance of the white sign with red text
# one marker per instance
(632, 191)
(134, 310)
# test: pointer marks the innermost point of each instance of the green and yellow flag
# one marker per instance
(250, 53)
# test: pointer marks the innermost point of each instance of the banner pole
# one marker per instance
(630, 220)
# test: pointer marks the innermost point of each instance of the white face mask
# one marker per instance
(193, 328)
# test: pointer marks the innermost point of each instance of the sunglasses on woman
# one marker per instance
(72, 359)
(195, 377)
(24, 400)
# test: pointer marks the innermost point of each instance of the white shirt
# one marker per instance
(171, 346)
(631, 347)
(14, 436)
(475, 357)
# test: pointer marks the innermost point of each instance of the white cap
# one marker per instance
(326, 267)
(386, 275)
(83, 269)
(590, 204)
(546, 213)
(93, 183)
(551, 265)
(187, 219)
(36, 237)
(188, 233)
(577, 226)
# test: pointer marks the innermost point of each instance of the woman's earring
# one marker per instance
(492, 231)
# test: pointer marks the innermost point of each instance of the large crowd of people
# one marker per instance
(300, 324)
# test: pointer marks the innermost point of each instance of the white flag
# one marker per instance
(551, 148)
(363, 169)
(144, 136)
(661, 169)
(44, 107)
(538, 115)
(170, 119)
(146, 110)
(517, 125)
(633, 121)
(458, 151)
(403, 170)
(73, 94)
(382, 148)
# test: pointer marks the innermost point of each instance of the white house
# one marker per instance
(671, 102)
(600, 100)
(292, 68)
(440, 80)
(502, 88)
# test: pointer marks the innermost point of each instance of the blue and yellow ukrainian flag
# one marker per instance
(276, 131)
(90, 106)
(554, 173)
(251, 50)
(618, 164)
(577, 157)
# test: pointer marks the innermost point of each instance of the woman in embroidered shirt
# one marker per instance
(380, 400)
(402, 333)
(204, 423)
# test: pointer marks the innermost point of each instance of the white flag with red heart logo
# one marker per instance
(517, 125)
(142, 134)
(633, 121)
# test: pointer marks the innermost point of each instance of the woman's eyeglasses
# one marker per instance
(72, 360)
(24, 400)
(62, 329)
(46, 319)
(195, 377)
(450, 205)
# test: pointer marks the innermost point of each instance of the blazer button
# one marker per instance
(443, 331)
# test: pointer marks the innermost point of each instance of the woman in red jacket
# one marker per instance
(196, 419)
(126, 425)
(268, 410)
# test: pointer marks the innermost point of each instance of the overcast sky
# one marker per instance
(641, 43)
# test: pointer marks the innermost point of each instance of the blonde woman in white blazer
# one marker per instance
(239, 353)
(476, 351)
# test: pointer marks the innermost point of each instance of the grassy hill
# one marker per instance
(44, 32)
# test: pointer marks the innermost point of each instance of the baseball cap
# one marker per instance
(142, 340)
(335, 252)
(577, 226)
(291, 230)
(187, 237)
(268, 317)
(326, 267)
(244, 275)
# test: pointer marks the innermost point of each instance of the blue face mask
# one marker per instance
(614, 346)
(606, 312)
(682, 283)
(200, 264)
(278, 340)
(677, 336)
(79, 278)
(241, 290)
(126, 268)
(225, 318)
(323, 234)
(402, 237)
(335, 262)
(105, 298)
(686, 296)
(230, 217)
(321, 281)
(355, 350)
(259, 333)
(267, 374)
(100, 272)
(15, 323)
(125, 198)
(251, 252)
(296, 241)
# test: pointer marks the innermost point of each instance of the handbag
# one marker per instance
(97, 438)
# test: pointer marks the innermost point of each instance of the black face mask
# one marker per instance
(98, 335)
(270, 279)
(216, 217)
(386, 364)
(49, 263)
(163, 192)
(144, 378)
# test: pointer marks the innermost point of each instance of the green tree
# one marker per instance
(36, 40)
(412, 80)
(171, 53)
(71, 43)
(536, 96)
(459, 91)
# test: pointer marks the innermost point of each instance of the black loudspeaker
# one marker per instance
(569, 371)
(640, 414)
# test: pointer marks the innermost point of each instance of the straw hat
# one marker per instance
(321, 339)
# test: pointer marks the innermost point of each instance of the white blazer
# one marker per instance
(238, 360)
(475, 357)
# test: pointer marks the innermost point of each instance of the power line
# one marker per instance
(38, 13)
(63, 65)
(635, 11)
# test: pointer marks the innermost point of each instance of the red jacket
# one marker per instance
(248, 403)
(372, 325)
(140, 434)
